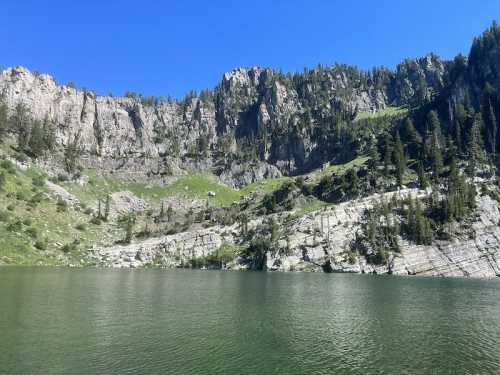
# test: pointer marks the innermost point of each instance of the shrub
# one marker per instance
(8, 166)
(3, 180)
(27, 221)
(21, 157)
(36, 198)
(66, 248)
(62, 177)
(11, 207)
(4, 216)
(32, 232)
(38, 181)
(70, 246)
(21, 196)
(16, 226)
(81, 227)
(96, 220)
(41, 244)
(62, 206)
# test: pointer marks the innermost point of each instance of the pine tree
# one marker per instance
(162, 210)
(435, 142)
(353, 182)
(412, 138)
(458, 127)
(374, 157)
(475, 145)
(422, 179)
(170, 213)
(436, 155)
(3, 180)
(4, 119)
(399, 160)
(490, 122)
(49, 134)
(36, 143)
(388, 151)
(20, 124)
(127, 223)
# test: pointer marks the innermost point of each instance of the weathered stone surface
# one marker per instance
(124, 202)
(61, 193)
(135, 137)
(168, 251)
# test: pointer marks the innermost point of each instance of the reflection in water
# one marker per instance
(203, 322)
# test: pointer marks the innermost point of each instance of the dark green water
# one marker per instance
(61, 321)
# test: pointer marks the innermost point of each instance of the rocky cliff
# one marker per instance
(140, 136)
(321, 241)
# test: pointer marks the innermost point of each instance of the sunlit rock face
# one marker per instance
(146, 136)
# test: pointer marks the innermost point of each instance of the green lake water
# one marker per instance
(88, 321)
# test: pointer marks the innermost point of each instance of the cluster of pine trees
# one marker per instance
(34, 137)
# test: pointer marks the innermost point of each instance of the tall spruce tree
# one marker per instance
(475, 145)
(399, 159)
(4, 119)
(20, 124)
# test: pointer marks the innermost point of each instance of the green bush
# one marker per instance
(96, 220)
(32, 232)
(41, 244)
(81, 227)
(21, 157)
(4, 216)
(8, 166)
(72, 246)
(3, 180)
(27, 221)
(21, 196)
(15, 226)
(38, 181)
(11, 207)
(62, 206)
(35, 199)
(62, 177)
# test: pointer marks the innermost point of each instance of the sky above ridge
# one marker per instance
(170, 47)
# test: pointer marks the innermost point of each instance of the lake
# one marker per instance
(99, 321)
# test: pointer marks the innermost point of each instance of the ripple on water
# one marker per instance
(192, 322)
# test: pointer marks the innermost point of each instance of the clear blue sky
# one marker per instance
(170, 47)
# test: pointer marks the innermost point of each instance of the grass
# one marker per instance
(195, 186)
(339, 168)
(387, 112)
(36, 228)
(264, 186)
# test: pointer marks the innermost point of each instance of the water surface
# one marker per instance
(62, 321)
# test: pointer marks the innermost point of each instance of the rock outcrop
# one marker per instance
(140, 136)
(320, 241)
(168, 251)
(326, 236)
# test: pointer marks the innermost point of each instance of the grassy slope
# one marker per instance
(59, 227)
(388, 112)
(41, 222)
(195, 186)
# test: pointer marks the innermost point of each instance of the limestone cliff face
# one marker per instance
(327, 235)
(323, 238)
(137, 136)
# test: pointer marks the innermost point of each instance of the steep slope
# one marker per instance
(256, 117)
